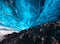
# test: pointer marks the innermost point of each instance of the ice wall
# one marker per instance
(22, 14)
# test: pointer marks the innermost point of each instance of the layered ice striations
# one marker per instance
(22, 14)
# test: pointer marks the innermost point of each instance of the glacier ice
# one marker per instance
(22, 14)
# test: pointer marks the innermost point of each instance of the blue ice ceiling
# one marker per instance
(22, 14)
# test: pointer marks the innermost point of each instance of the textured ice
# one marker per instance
(22, 14)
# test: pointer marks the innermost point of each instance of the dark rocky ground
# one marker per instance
(48, 33)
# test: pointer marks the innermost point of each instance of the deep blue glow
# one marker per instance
(22, 14)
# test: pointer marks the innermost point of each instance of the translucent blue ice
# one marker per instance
(22, 14)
